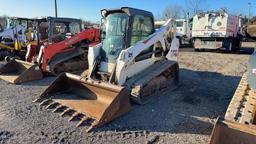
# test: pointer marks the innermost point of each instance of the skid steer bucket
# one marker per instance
(227, 132)
(93, 104)
(16, 71)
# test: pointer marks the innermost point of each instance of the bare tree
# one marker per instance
(173, 11)
(89, 24)
(194, 6)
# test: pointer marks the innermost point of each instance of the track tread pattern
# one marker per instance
(242, 106)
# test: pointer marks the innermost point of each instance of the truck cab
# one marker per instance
(183, 31)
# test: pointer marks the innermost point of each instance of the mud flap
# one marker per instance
(92, 103)
(227, 132)
(16, 71)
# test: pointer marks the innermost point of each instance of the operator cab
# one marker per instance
(121, 29)
(58, 29)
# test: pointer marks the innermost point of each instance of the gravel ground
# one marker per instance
(185, 115)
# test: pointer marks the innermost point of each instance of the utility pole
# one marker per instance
(56, 9)
(249, 15)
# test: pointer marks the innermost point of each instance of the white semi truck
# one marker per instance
(216, 30)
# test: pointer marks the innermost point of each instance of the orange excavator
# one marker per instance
(62, 47)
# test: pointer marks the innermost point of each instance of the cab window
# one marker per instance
(142, 27)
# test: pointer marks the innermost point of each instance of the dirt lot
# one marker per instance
(184, 115)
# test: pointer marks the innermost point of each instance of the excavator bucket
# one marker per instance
(228, 132)
(17, 71)
(92, 103)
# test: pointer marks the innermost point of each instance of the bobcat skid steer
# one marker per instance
(132, 61)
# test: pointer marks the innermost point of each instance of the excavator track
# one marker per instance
(242, 108)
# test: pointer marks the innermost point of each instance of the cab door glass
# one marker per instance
(74, 28)
(142, 28)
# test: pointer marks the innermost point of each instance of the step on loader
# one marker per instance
(133, 61)
(63, 47)
(239, 123)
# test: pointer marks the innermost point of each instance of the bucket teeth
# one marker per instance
(82, 121)
(45, 102)
(37, 100)
(51, 104)
(74, 116)
(93, 125)
(66, 111)
(90, 128)
(58, 108)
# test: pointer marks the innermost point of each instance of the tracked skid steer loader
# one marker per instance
(133, 61)
(239, 124)
(62, 47)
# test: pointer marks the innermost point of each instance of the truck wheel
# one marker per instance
(239, 45)
(7, 58)
(197, 50)
(191, 42)
(228, 45)
(3, 54)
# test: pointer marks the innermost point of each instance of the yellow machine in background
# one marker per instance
(15, 37)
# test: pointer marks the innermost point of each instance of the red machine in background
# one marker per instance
(59, 50)
(76, 45)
